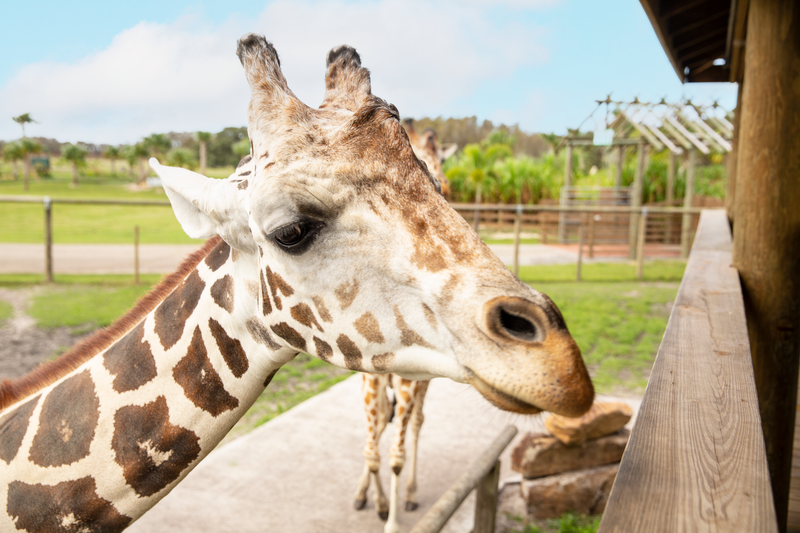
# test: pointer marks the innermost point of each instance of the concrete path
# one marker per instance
(298, 473)
(164, 258)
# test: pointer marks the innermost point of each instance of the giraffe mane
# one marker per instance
(13, 391)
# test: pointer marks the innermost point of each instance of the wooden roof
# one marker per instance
(697, 33)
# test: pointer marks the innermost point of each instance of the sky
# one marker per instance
(115, 72)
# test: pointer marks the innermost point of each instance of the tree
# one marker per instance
(157, 144)
(182, 157)
(138, 152)
(203, 137)
(29, 147)
(241, 148)
(76, 154)
(113, 153)
(12, 152)
(22, 120)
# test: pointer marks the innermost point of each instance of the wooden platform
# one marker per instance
(696, 459)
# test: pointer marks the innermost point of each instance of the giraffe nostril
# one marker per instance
(517, 326)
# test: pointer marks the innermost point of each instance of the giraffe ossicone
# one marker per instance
(334, 241)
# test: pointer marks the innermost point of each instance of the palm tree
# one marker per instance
(139, 152)
(22, 120)
(77, 155)
(157, 144)
(29, 147)
(181, 157)
(12, 152)
(113, 153)
(203, 137)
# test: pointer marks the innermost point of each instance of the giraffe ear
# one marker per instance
(347, 83)
(206, 207)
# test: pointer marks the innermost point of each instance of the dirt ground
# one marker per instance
(23, 345)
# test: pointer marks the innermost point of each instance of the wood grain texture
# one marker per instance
(793, 519)
(696, 459)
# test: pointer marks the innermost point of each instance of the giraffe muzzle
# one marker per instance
(515, 320)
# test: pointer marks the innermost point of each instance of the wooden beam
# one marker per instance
(767, 224)
(689, 135)
(636, 199)
(686, 224)
(663, 35)
(730, 195)
(695, 460)
(735, 45)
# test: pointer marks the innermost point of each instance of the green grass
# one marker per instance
(604, 272)
(567, 523)
(6, 310)
(91, 280)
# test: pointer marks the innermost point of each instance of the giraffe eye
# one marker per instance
(295, 238)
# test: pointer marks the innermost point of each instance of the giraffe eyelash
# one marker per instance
(297, 237)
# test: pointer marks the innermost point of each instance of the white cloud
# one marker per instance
(184, 76)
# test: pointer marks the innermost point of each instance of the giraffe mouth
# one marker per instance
(499, 398)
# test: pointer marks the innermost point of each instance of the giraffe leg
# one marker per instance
(373, 391)
(405, 393)
(417, 418)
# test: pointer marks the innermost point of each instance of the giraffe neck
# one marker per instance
(116, 434)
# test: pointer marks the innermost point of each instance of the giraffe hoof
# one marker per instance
(383, 515)
(411, 506)
(359, 504)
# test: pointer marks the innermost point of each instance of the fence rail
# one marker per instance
(483, 475)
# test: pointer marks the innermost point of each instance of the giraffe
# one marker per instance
(331, 238)
(428, 150)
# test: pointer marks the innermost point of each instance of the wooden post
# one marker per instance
(767, 225)
(136, 254)
(580, 253)
(730, 196)
(640, 244)
(562, 218)
(636, 199)
(477, 213)
(517, 228)
(486, 501)
(591, 235)
(686, 225)
(620, 163)
(48, 239)
(670, 195)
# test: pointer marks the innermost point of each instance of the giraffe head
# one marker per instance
(360, 260)
(428, 150)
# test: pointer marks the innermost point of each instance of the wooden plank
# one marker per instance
(696, 459)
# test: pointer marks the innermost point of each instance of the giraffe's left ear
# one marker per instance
(206, 207)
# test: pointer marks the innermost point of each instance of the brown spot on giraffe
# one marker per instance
(171, 315)
(13, 427)
(352, 355)
(260, 334)
(230, 348)
(200, 382)
(303, 314)
(430, 316)
(66, 423)
(151, 451)
(218, 256)
(266, 307)
(449, 289)
(407, 335)
(269, 377)
(290, 335)
(382, 361)
(222, 292)
(276, 283)
(69, 506)
(367, 325)
(346, 293)
(243, 185)
(130, 361)
(246, 159)
(324, 350)
(322, 309)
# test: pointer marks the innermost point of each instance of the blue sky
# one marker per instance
(113, 72)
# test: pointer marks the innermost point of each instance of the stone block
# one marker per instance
(604, 418)
(583, 491)
(541, 454)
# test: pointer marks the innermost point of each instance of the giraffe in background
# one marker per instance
(428, 150)
(331, 239)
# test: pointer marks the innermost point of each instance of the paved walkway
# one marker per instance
(298, 472)
(164, 258)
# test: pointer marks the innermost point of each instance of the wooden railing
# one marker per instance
(696, 459)
(482, 475)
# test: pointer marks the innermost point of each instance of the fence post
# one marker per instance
(580, 252)
(517, 228)
(686, 223)
(486, 501)
(591, 235)
(564, 198)
(640, 243)
(136, 254)
(48, 239)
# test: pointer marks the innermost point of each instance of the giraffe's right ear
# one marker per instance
(206, 207)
